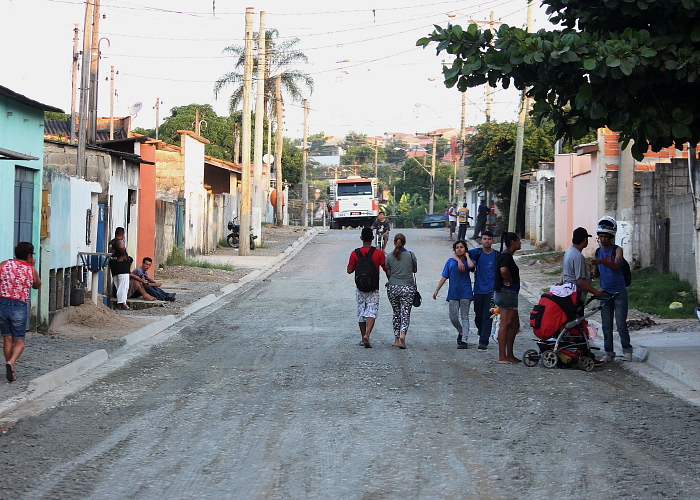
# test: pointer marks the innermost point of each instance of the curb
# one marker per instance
(60, 376)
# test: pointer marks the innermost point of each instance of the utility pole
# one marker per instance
(84, 84)
(259, 133)
(236, 144)
(246, 191)
(304, 186)
(488, 87)
(74, 85)
(278, 151)
(462, 138)
(111, 103)
(157, 108)
(434, 137)
(520, 134)
(94, 68)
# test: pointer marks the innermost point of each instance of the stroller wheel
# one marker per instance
(586, 364)
(531, 357)
(549, 359)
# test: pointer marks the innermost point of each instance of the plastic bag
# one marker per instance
(494, 329)
(592, 332)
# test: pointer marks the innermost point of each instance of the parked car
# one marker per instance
(433, 220)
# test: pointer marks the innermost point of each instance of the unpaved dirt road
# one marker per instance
(267, 395)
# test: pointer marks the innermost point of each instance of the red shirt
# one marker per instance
(16, 277)
(377, 257)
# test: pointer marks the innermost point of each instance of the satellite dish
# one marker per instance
(134, 109)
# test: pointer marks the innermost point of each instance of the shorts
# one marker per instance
(367, 305)
(13, 318)
(506, 299)
(453, 225)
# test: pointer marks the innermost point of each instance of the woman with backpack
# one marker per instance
(459, 291)
(506, 289)
(401, 265)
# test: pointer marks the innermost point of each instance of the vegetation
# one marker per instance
(177, 258)
(280, 57)
(630, 65)
(652, 292)
(56, 116)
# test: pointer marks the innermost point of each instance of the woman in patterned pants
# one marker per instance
(400, 266)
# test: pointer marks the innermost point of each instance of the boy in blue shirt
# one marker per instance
(485, 261)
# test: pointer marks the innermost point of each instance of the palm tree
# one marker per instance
(279, 57)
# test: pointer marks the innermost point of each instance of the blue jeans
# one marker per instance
(618, 307)
(13, 318)
(482, 316)
(156, 291)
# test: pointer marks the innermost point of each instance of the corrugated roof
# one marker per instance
(62, 128)
(27, 101)
(6, 154)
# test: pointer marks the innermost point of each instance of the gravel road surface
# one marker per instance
(267, 395)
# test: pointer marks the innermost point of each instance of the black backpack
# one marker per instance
(624, 266)
(366, 275)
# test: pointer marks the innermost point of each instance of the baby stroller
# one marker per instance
(562, 331)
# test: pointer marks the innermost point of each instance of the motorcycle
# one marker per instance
(234, 237)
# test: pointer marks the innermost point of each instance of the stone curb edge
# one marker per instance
(60, 376)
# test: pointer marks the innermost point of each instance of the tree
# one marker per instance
(291, 162)
(492, 155)
(56, 116)
(396, 151)
(148, 132)
(279, 57)
(315, 142)
(630, 65)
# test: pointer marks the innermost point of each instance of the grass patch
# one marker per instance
(546, 256)
(177, 258)
(652, 292)
(553, 272)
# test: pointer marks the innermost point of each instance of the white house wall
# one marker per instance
(195, 194)
(70, 199)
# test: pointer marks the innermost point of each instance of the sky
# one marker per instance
(369, 77)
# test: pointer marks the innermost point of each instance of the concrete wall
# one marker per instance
(539, 206)
(165, 213)
(195, 195)
(682, 238)
(147, 205)
(170, 175)
(575, 198)
(70, 200)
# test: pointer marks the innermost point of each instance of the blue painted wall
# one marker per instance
(22, 131)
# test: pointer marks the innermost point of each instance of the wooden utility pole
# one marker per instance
(304, 186)
(462, 138)
(520, 135)
(157, 108)
(246, 187)
(236, 144)
(259, 134)
(278, 151)
(111, 103)
(488, 87)
(74, 85)
(431, 199)
(94, 68)
(84, 84)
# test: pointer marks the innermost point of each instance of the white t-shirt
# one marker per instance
(452, 214)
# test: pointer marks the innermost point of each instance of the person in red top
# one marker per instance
(367, 302)
(16, 277)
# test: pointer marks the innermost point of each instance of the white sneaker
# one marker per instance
(627, 356)
(608, 359)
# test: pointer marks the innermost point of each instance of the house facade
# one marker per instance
(21, 165)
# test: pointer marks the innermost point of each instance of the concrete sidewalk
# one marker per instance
(261, 266)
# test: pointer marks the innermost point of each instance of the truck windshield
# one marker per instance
(353, 188)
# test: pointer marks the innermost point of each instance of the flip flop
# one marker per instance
(9, 372)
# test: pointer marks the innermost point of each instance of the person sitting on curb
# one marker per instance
(140, 276)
